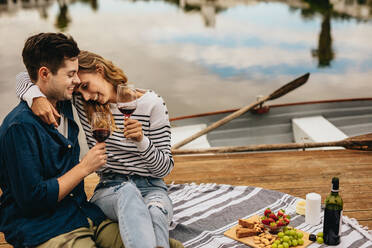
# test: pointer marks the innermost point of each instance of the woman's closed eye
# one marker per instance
(84, 86)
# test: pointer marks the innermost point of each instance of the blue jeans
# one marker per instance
(140, 205)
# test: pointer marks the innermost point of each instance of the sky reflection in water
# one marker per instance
(249, 49)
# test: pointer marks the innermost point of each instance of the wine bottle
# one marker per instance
(333, 215)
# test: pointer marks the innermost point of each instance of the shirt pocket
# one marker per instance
(57, 156)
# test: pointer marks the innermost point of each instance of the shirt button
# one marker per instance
(69, 146)
(72, 195)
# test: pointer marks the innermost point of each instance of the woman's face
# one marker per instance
(94, 87)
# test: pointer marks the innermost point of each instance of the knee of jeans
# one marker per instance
(154, 206)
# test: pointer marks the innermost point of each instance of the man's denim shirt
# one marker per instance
(32, 156)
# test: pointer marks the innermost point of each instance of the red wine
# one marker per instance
(126, 112)
(333, 215)
(101, 134)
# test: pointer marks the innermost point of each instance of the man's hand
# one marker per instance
(133, 130)
(95, 158)
(92, 161)
(45, 110)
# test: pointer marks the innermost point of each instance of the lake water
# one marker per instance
(204, 55)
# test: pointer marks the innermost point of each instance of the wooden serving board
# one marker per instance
(231, 233)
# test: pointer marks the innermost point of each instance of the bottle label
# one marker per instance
(332, 226)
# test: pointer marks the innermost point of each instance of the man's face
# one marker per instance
(61, 85)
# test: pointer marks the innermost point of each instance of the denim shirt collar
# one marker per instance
(65, 108)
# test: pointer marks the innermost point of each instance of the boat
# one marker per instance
(301, 122)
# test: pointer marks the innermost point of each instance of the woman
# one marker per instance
(131, 189)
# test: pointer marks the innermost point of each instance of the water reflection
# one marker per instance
(324, 52)
(360, 10)
(230, 50)
(13, 6)
(345, 9)
(62, 19)
(207, 8)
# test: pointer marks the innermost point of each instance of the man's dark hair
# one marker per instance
(49, 50)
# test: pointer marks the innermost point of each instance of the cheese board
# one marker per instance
(253, 241)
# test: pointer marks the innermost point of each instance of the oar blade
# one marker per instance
(361, 142)
(289, 86)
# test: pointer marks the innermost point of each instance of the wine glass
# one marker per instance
(126, 99)
(101, 126)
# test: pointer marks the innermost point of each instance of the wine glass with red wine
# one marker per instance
(101, 126)
(126, 99)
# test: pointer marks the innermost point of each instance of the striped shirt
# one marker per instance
(150, 157)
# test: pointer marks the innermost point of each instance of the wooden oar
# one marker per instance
(276, 94)
(361, 142)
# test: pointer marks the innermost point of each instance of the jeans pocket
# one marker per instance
(157, 182)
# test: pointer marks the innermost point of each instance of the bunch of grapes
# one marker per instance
(289, 237)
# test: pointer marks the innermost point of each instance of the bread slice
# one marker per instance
(246, 223)
(242, 232)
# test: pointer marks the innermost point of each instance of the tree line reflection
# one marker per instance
(63, 18)
(324, 52)
(360, 10)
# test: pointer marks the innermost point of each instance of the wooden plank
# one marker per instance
(363, 214)
(90, 183)
(367, 223)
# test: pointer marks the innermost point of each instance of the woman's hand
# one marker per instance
(42, 108)
(133, 130)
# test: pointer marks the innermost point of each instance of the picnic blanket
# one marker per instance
(203, 212)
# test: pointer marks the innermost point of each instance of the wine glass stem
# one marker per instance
(126, 117)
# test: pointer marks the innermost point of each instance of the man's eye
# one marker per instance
(84, 86)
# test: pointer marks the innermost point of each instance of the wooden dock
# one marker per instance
(296, 173)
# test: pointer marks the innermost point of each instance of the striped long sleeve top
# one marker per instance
(150, 157)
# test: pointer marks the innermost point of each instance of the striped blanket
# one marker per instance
(202, 213)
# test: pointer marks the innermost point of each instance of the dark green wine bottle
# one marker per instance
(333, 215)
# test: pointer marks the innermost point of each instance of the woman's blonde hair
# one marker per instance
(89, 63)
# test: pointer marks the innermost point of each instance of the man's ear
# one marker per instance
(43, 73)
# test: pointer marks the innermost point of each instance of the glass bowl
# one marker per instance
(274, 231)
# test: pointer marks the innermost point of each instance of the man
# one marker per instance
(43, 202)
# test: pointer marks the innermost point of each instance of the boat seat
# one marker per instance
(181, 133)
(316, 129)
